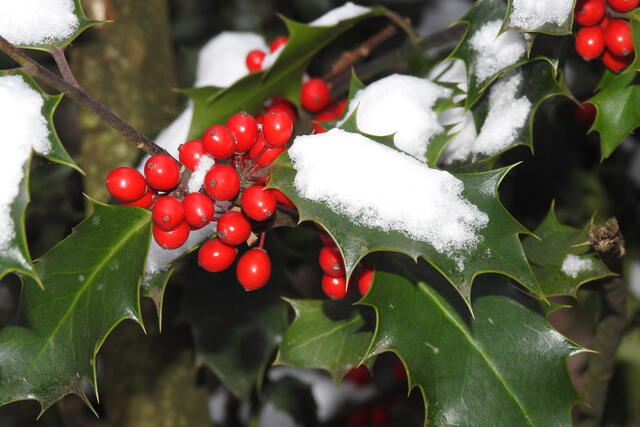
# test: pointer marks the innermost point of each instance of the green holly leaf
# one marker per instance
(618, 109)
(91, 282)
(283, 78)
(539, 83)
(83, 23)
(499, 249)
(548, 252)
(16, 257)
(235, 332)
(326, 334)
(634, 20)
(481, 13)
(153, 287)
(503, 367)
(512, 20)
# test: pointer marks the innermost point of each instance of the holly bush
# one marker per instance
(528, 324)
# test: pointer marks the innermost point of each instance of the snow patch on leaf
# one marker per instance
(24, 128)
(346, 11)
(402, 105)
(35, 22)
(573, 265)
(531, 15)
(375, 186)
(494, 51)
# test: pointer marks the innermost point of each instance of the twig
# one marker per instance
(350, 57)
(82, 98)
(63, 66)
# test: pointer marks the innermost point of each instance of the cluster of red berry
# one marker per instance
(246, 146)
(603, 36)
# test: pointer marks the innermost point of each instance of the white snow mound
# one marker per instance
(36, 22)
(379, 187)
(533, 14)
(574, 265)
(495, 52)
(346, 11)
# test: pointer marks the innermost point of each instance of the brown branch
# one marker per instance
(82, 98)
(63, 66)
(350, 57)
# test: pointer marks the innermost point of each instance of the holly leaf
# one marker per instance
(618, 109)
(91, 282)
(548, 252)
(83, 23)
(634, 21)
(539, 83)
(326, 334)
(505, 366)
(481, 13)
(235, 332)
(283, 78)
(289, 402)
(499, 249)
(153, 287)
(554, 28)
(16, 257)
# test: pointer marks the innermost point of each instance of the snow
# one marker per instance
(450, 71)
(221, 60)
(377, 186)
(533, 14)
(574, 265)
(507, 115)
(197, 177)
(36, 22)
(24, 128)
(346, 11)
(495, 52)
(402, 105)
(271, 57)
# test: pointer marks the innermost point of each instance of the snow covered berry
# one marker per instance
(190, 153)
(257, 203)
(315, 94)
(253, 269)
(277, 128)
(245, 130)
(218, 142)
(590, 12)
(198, 210)
(618, 37)
(168, 213)
(222, 182)
(162, 172)
(590, 42)
(334, 287)
(172, 239)
(126, 184)
(215, 255)
(233, 228)
(254, 60)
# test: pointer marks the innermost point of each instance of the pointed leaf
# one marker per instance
(283, 78)
(499, 249)
(91, 284)
(326, 334)
(505, 368)
(553, 28)
(16, 257)
(548, 252)
(618, 109)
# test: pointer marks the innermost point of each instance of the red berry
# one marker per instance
(380, 415)
(167, 213)
(326, 239)
(257, 203)
(144, 202)
(618, 37)
(215, 255)
(172, 239)
(190, 153)
(198, 210)
(277, 42)
(245, 130)
(222, 182)
(604, 23)
(365, 279)
(589, 12)
(253, 269)
(268, 156)
(624, 5)
(334, 287)
(315, 94)
(359, 375)
(258, 147)
(331, 261)
(254, 60)
(614, 62)
(162, 172)
(218, 141)
(277, 128)
(126, 184)
(317, 128)
(282, 199)
(282, 104)
(233, 228)
(590, 42)
(399, 371)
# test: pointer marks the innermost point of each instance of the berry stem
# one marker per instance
(79, 96)
(262, 236)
